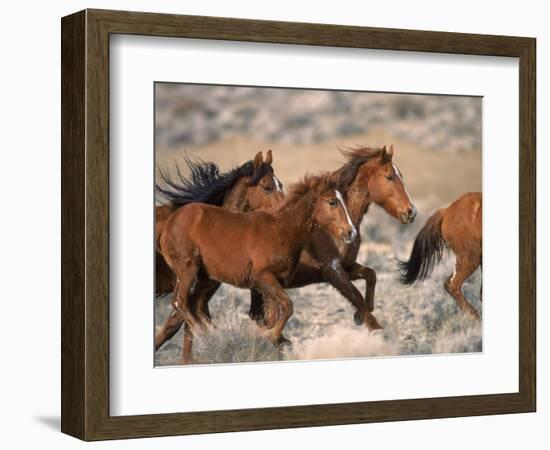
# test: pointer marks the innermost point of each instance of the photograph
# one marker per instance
(307, 224)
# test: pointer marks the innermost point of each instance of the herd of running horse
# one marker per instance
(242, 228)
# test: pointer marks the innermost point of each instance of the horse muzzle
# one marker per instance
(348, 235)
(408, 216)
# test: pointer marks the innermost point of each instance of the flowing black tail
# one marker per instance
(427, 251)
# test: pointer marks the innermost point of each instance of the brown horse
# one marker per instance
(248, 187)
(206, 245)
(457, 227)
(369, 175)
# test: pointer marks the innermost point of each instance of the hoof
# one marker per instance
(372, 323)
(283, 341)
(378, 331)
(357, 319)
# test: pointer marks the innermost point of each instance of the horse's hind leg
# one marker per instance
(464, 268)
(204, 292)
(169, 328)
(369, 275)
(303, 276)
(256, 311)
(197, 313)
(187, 344)
(200, 297)
(182, 302)
(171, 325)
(165, 279)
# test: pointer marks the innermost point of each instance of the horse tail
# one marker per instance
(427, 251)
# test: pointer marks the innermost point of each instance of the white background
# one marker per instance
(136, 387)
(30, 171)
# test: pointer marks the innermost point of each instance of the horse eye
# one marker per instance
(390, 177)
(268, 188)
(332, 202)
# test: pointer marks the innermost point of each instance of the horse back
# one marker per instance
(462, 220)
(232, 245)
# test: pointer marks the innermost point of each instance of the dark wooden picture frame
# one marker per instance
(85, 224)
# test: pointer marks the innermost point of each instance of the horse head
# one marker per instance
(330, 213)
(382, 180)
(264, 190)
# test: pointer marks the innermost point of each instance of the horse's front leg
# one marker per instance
(199, 302)
(358, 272)
(204, 291)
(169, 328)
(335, 274)
(257, 313)
(304, 275)
(278, 307)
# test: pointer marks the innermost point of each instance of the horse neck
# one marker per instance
(297, 219)
(235, 199)
(357, 202)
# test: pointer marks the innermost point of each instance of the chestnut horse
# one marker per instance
(457, 227)
(368, 176)
(248, 187)
(206, 245)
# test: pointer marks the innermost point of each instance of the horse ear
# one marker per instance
(385, 155)
(269, 157)
(258, 160)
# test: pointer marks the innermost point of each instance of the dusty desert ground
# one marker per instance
(418, 320)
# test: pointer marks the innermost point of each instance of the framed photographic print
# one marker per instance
(270, 224)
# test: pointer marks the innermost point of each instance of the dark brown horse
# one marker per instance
(368, 176)
(206, 245)
(248, 187)
(459, 228)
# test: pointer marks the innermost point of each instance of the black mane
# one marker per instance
(205, 183)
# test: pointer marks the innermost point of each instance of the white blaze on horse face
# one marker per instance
(398, 172)
(278, 184)
(353, 230)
